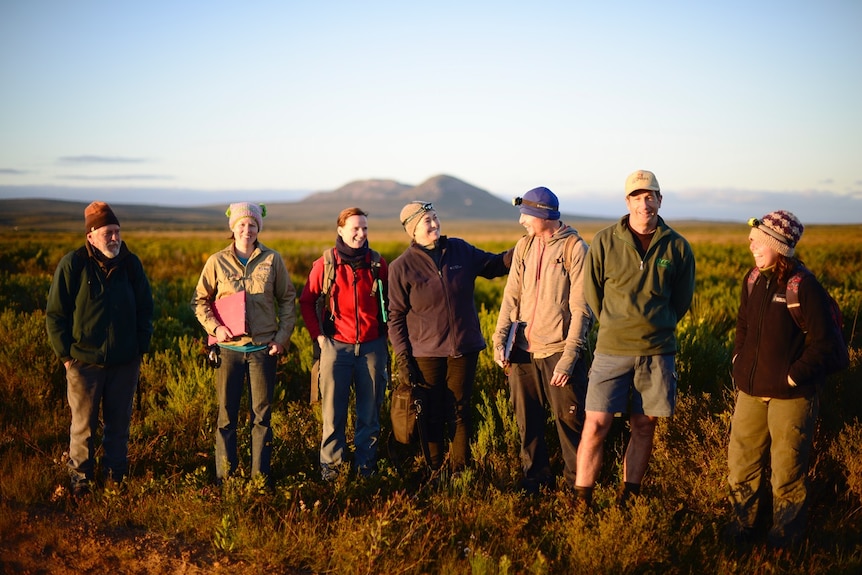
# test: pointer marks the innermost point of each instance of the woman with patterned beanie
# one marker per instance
(780, 363)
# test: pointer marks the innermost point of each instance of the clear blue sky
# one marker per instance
(738, 107)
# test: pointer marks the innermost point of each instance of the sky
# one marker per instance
(739, 107)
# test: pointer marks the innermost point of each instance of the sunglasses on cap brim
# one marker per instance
(426, 207)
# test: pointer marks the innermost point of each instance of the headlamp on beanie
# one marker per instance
(421, 209)
(757, 223)
(541, 205)
(412, 214)
(779, 230)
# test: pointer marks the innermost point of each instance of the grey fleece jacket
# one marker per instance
(548, 295)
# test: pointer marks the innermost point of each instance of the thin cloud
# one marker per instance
(117, 178)
(812, 206)
(92, 159)
(12, 172)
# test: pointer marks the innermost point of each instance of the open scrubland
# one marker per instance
(169, 516)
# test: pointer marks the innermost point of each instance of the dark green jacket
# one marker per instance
(638, 301)
(100, 316)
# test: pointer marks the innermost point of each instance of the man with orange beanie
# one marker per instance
(100, 321)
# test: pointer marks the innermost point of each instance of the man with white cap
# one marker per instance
(100, 320)
(544, 310)
(640, 283)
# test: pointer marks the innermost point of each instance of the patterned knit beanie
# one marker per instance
(241, 210)
(99, 214)
(780, 230)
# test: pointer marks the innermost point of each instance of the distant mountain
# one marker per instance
(360, 191)
(61, 215)
(453, 200)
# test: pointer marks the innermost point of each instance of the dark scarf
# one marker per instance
(351, 256)
(108, 265)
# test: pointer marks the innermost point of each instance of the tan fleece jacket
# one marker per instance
(547, 294)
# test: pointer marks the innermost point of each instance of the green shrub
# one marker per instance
(398, 520)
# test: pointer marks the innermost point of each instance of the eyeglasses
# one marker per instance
(541, 205)
(423, 207)
(756, 223)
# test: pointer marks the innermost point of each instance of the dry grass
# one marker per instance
(170, 517)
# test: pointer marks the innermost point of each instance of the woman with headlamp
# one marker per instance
(434, 327)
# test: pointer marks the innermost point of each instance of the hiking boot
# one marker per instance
(80, 489)
(583, 499)
(631, 492)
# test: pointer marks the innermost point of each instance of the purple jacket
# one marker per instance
(431, 308)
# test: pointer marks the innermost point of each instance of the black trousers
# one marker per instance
(531, 392)
(448, 392)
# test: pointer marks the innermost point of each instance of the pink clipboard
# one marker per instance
(230, 311)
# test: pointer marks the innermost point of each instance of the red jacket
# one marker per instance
(353, 314)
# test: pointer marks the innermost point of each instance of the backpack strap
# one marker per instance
(322, 302)
(752, 279)
(375, 272)
(571, 241)
(525, 247)
(569, 248)
(792, 297)
(329, 264)
(377, 285)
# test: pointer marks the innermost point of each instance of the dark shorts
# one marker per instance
(632, 384)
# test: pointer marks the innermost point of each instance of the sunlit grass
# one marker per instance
(396, 522)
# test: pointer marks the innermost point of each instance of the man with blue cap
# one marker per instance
(541, 336)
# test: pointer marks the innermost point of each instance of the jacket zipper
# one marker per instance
(634, 247)
(760, 316)
(529, 327)
(452, 350)
(356, 308)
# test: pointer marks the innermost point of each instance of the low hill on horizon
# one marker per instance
(453, 199)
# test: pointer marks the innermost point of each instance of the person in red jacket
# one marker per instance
(778, 370)
(353, 344)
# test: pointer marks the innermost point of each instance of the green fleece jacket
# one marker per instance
(100, 312)
(546, 293)
(638, 300)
